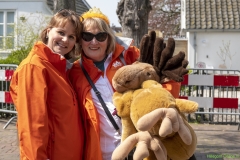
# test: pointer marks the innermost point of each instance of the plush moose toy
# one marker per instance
(140, 100)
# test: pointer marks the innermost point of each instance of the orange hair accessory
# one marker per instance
(95, 13)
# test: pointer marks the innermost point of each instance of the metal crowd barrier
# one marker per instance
(7, 109)
(217, 92)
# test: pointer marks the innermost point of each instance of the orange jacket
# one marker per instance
(82, 88)
(49, 124)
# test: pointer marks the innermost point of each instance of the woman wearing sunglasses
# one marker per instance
(100, 58)
(102, 55)
(49, 124)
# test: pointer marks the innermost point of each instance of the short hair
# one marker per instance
(61, 18)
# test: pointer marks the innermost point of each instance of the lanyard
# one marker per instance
(110, 117)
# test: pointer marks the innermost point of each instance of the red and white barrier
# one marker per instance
(213, 81)
(6, 75)
(5, 97)
(6, 104)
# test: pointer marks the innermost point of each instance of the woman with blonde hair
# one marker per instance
(102, 54)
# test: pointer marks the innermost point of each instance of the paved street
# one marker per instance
(8, 142)
(220, 142)
(215, 142)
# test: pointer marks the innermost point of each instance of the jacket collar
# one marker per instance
(47, 54)
(124, 41)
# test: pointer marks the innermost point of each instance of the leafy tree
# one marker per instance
(165, 16)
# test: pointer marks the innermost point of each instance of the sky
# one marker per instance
(108, 7)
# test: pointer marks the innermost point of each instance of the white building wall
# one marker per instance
(35, 12)
(207, 46)
(30, 9)
(31, 6)
(23, 7)
(191, 50)
(183, 15)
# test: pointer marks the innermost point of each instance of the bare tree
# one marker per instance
(224, 54)
(166, 17)
(64, 4)
(138, 16)
(133, 17)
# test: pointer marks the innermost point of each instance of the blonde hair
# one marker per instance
(61, 18)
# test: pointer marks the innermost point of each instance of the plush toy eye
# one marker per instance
(127, 82)
(148, 74)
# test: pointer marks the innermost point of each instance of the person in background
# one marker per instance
(49, 123)
(102, 54)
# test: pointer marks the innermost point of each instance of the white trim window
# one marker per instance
(7, 29)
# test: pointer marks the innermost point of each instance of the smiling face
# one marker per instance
(94, 49)
(61, 39)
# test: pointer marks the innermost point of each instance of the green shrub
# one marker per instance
(15, 57)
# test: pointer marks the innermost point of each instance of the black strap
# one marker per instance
(100, 98)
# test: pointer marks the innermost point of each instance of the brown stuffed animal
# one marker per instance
(134, 103)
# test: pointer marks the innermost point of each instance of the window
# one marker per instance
(6, 29)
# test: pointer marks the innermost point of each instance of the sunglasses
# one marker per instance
(101, 36)
(67, 12)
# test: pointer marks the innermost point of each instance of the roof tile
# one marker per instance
(212, 14)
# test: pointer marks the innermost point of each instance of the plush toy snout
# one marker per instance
(130, 77)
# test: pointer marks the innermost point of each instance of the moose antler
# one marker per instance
(154, 51)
